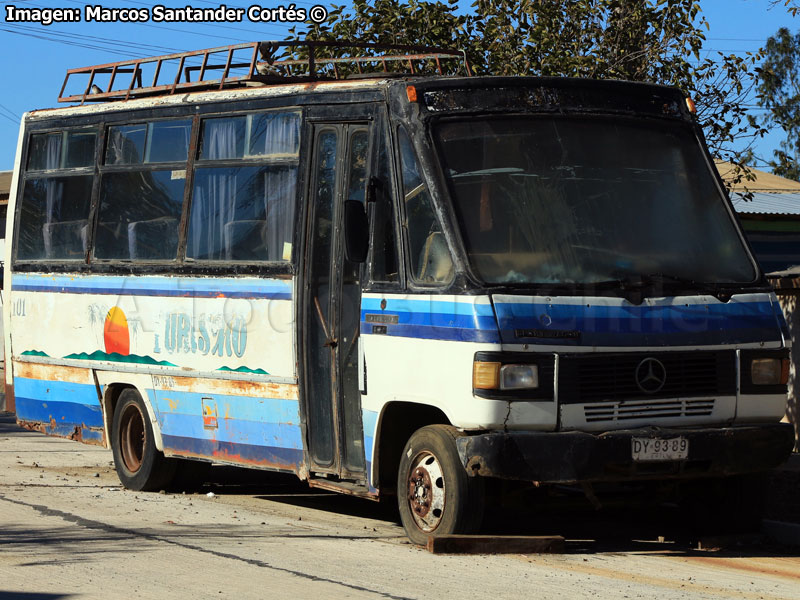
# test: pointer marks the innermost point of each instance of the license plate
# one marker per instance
(650, 449)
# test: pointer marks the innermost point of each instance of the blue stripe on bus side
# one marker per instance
(458, 334)
(250, 431)
(236, 431)
(61, 400)
(62, 407)
(369, 419)
(58, 411)
(271, 457)
(154, 286)
(630, 325)
(244, 408)
(427, 304)
(429, 318)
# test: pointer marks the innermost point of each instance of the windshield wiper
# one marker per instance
(635, 287)
(482, 172)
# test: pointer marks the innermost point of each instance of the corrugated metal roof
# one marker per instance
(768, 204)
(763, 182)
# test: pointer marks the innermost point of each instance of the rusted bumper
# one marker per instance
(575, 456)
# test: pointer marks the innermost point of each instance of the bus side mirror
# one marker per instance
(356, 231)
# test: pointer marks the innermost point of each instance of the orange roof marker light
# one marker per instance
(411, 92)
(691, 105)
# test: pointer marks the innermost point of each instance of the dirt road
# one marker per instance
(67, 530)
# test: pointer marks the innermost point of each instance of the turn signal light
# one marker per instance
(485, 375)
(691, 106)
(411, 92)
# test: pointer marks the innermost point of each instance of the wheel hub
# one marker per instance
(419, 492)
(132, 436)
(425, 489)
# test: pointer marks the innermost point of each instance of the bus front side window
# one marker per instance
(430, 257)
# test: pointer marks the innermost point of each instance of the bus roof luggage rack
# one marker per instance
(299, 64)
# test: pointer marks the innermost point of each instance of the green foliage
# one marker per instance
(779, 93)
(641, 40)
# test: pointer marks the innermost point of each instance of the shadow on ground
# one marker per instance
(628, 522)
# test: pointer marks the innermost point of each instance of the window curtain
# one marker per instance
(54, 188)
(214, 198)
(277, 133)
(279, 200)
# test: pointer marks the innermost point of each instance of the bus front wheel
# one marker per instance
(435, 495)
(139, 464)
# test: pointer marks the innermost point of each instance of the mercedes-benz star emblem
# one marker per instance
(651, 375)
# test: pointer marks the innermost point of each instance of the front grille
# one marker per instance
(611, 377)
(649, 409)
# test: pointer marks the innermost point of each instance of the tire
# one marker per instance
(139, 464)
(435, 495)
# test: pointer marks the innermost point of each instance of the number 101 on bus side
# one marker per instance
(487, 280)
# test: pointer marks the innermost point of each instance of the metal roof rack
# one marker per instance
(299, 62)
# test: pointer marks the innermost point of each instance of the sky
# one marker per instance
(36, 56)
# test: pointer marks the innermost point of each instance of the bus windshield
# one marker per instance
(571, 200)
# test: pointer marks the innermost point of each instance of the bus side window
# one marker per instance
(384, 241)
(430, 257)
(54, 211)
(140, 207)
(243, 209)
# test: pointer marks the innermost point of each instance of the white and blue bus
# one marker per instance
(410, 286)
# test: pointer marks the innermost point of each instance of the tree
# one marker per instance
(779, 93)
(641, 40)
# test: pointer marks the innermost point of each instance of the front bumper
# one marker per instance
(576, 456)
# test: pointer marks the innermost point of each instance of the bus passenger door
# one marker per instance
(332, 304)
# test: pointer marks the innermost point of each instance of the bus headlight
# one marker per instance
(516, 377)
(769, 371)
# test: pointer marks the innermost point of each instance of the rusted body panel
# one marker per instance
(58, 400)
(249, 423)
(80, 433)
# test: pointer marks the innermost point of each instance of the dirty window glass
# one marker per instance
(242, 213)
(430, 257)
(53, 221)
(79, 149)
(169, 141)
(384, 245)
(274, 133)
(159, 141)
(270, 134)
(357, 166)
(146, 229)
(126, 144)
(577, 200)
(222, 138)
(62, 150)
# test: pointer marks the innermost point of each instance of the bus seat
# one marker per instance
(244, 240)
(435, 262)
(156, 238)
(66, 239)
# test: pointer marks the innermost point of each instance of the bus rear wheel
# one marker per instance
(139, 464)
(435, 495)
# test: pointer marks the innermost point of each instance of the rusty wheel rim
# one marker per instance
(426, 491)
(132, 438)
